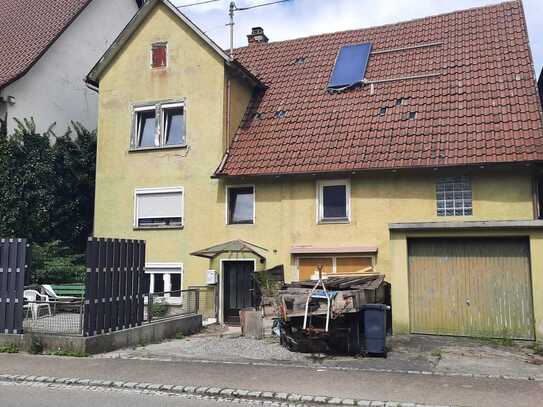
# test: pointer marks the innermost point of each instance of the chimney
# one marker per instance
(257, 36)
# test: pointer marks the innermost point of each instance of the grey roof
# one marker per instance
(236, 246)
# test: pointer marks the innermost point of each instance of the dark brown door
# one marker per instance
(238, 288)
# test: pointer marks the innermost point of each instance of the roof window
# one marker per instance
(300, 60)
(280, 114)
(350, 66)
(382, 111)
(400, 101)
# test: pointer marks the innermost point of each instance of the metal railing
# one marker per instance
(170, 304)
(53, 317)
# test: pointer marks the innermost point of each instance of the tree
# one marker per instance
(47, 185)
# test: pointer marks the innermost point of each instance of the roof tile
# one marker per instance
(482, 108)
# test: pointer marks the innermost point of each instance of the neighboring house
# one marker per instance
(47, 48)
(427, 167)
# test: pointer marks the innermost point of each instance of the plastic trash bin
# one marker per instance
(374, 324)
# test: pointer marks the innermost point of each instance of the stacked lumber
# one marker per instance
(348, 294)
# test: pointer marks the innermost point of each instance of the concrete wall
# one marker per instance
(144, 334)
(53, 90)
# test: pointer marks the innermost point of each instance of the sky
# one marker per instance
(301, 18)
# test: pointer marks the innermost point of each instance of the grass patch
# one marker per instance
(436, 353)
(9, 348)
(505, 342)
(68, 353)
(179, 335)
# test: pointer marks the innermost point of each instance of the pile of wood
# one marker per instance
(348, 295)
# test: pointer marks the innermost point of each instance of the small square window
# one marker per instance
(240, 205)
(457, 198)
(173, 125)
(334, 201)
(145, 127)
(159, 53)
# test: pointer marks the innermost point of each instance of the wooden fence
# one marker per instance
(115, 285)
(13, 266)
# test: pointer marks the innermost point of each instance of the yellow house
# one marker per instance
(413, 148)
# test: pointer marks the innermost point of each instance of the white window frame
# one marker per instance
(137, 126)
(162, 190)
(159, 43)
(227, 201)
(164, 106)
(320, 200)
(167, 269)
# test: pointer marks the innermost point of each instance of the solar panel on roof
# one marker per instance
(351, 64)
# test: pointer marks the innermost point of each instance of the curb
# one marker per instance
(212, 392)
(345, 368)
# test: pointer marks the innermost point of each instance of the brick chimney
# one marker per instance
(257, 36)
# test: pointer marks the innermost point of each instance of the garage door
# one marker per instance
(471, 287)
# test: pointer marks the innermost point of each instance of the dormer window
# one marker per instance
(159, 55)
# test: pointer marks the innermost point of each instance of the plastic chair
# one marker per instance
(32, 297)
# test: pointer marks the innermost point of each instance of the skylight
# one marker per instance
(350, 67)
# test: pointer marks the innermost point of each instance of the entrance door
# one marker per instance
(471, 287)
(238, 288)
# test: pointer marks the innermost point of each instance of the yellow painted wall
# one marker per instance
(197, 74)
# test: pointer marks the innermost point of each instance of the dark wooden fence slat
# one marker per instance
(114, 296)
(13, 266)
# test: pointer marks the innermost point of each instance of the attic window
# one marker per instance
(258, 115)
(300, 60)
(399, 101)
(410, 116)
(159, 52)
(382, 111)
(350, 66)
(280, 114)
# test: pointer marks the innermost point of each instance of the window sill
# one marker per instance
(157, 227)
(334, 221)
(239, 223)
(143, 149)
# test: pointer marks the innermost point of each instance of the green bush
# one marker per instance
(159, 309)
(9, 348)
(51, 263)
(36, 346)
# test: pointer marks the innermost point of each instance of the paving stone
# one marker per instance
(348, 402)
(190, 389)
(214, 390)
(392, 404)
(334, 400)
(268, 395)
(178, 389)
(118, 384)
(308, 399)
(227, 392)
(28, 378)
(40, 379)
(281, 396)
(201, 390)
(377, 404)
(407, 405)
(294, 397)
(241, 393)
(83, 382)
(166, 387)
(320, 399)
(154, 387)
(363, 403)
(254, 394)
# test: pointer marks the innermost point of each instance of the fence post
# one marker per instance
(197, 302)
(150, 307)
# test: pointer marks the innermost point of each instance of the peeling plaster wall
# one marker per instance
(53, 90)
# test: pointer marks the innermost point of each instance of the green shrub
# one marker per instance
(36, 346)
(69, 353)
(159, 309)
(54, 264)
(9, 348)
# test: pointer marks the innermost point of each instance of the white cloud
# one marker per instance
(300, 18)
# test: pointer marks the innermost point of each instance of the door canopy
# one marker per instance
(234, 246)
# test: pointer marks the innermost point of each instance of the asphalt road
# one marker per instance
(20, 395)
(434, 390)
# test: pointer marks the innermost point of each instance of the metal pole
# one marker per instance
(231, 10)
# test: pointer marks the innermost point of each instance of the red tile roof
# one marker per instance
(482, 107)
(28, 28)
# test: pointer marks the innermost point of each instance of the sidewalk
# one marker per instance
(356, 384)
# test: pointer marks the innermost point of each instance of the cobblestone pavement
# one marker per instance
(56, 391)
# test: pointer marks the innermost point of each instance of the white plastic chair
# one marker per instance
(32, 296)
